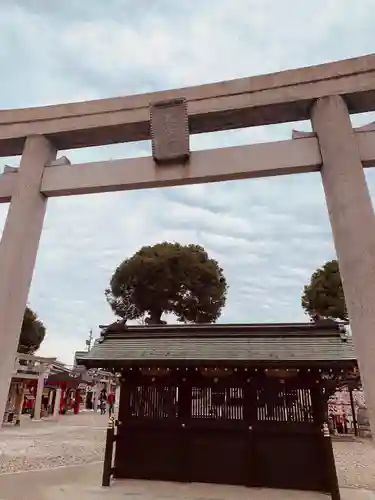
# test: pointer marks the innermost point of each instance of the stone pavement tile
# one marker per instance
(40, 484)
(151, 490)
(190, 492)
(357, 494)
(355, 463)
(81, 483)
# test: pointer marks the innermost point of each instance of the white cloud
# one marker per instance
(268, 234)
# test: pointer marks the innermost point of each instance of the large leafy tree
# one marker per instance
(168, 278)
(122, 304)
(323, 300)
(323, 297)
(33, 332)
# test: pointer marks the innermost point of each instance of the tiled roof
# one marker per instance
(226, 343)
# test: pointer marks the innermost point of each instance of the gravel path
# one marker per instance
(355, 463)
(79, 439)
(39, 445)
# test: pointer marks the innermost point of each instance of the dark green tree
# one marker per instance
(33, 332)
(323, 300)
(122, 304)
(168, 278)
(323, 297)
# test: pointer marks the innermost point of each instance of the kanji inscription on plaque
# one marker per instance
(170, 131)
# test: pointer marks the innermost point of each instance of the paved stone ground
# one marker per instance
(355, 463)
(37, 445)
(58, 460)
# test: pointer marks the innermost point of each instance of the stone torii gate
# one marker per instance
(326, 94)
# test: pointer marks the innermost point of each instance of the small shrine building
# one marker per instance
(242, 404)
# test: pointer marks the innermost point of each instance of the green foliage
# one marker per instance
(122, 304)
(168, 278)
(323, 300)
(33, 332)
(324, 297)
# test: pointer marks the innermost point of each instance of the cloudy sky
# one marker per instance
(268, 234)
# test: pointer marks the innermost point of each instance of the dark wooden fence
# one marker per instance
(238, 429)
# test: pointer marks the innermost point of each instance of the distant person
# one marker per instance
(111, 403)
(103, 404)
(340, 424)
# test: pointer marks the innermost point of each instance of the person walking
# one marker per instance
(103, 403)
(111, 403)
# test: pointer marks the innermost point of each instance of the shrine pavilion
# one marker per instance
(242, 404)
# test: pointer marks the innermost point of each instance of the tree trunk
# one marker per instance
(155, 318)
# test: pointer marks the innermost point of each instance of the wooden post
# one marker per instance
(354, 416)
(77, 402)
(107, 466)
(62, 398)
(183, 457)
(319, 405)
(250, 416)
(330, 461)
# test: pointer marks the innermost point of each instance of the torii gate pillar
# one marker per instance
(353, 227)
(18, 250)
